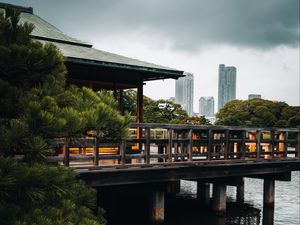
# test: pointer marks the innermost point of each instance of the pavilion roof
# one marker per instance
(79, 52)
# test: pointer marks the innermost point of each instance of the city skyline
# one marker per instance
(195, 37)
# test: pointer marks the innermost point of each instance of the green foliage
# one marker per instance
(43, 194)
(195, 120)
(160, 111)
(258, 113)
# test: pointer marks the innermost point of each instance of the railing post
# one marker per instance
(209, 144)
(169, 145)
(298, 145)
(286, 135)
(190, 145)
(258, 139)
(226, 144)
(123, 152)
(96, 151)
(147, 145)
(66, 153)
(272, 143)
(243, 146)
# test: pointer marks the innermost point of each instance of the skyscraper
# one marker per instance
(184, 92)
(206, 106)
(227, 85)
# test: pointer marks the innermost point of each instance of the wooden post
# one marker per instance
(139, 112)
(160, 151)
(209, 144)
(169, 145)
(258, 139)
(269, 193)
(286, 135)
(96, 151)
(157, 207)
(268, 216)
(243, 146)
(298, 145)
(226, 144)
(147, 145)
(272, 133)
(219, 199)
(121, 102)
(190, 145)
(66, 153)
(240, 192)
(123, 152)
(203, 192)
(173, 187)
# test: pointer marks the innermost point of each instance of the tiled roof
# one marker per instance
(76, 49)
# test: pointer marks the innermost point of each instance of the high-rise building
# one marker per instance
(227, 85)
(252, 96)
(184, 92)
(207, 106)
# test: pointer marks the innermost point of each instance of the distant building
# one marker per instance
(184, 92)
(171, 99)
(207, 106)
(252, 96)
(227, 85)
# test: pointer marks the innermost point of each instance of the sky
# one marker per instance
(259, 37)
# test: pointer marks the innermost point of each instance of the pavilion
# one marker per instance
(95, 68)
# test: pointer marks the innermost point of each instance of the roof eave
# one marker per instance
(164, 73)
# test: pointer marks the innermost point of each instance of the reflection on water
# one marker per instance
(184, 209)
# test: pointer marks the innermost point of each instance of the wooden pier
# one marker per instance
(160, 155)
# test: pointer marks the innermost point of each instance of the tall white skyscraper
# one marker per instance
(207, 106)
(227, 85)
(184, 92)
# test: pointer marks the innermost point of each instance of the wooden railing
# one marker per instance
(164, 144)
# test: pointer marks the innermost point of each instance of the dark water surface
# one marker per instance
(131, 207)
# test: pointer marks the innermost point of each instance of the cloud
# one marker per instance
(186, 24)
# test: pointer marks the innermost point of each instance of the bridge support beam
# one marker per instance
(157, 207)
(203, 192)
(240, 193)
(219, 199)
(269, 193)
(269, 197)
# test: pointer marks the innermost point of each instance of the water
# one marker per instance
(130, 207)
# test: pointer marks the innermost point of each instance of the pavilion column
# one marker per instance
(139, 118)
(139, 108)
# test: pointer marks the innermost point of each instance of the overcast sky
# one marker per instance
(259, 37)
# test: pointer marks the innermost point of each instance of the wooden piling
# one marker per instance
(269, 193)
(157, 207)
(240, 193)
(203, 192)
(219, 199)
